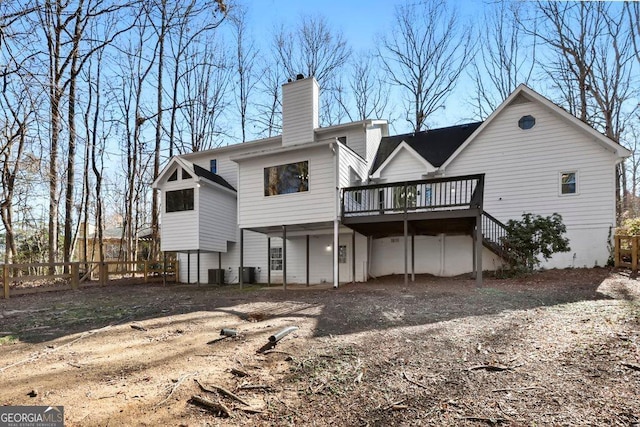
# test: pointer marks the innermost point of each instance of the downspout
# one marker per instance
(336, 221)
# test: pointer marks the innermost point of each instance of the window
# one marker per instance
(526, 122)
(286, 179)
(342, 139)
(173, 176)
(213, 166)
(342, 254)
(276, 259)
(179, 200)
(568, 183)
(185, 174)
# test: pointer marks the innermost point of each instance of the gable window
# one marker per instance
(213, 166)
(185, 174)
(526, 122)
(275, 261)
(342, 139)
(286, 179)
(179, 200)
(568, 182)
(173, 176)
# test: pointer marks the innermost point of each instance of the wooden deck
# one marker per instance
(429, 206)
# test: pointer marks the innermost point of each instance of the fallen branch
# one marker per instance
(175, 387)
(406, 377)
(518, 389)
(217, 408)
(493, 368)
(255, 387)
(138, 327)
(251, 410)
(396, 406)
(221, 390)
(631, 366)
(239, 372)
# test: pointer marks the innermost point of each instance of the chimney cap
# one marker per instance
(300, 77)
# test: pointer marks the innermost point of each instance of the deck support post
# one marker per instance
(241, 269)
(164, 269)
(268, 261)
(413, 256)
(284, 257)
(219, 260)
(198, 267)
(406, 250)
(478, 249)
(336, 242)
(353, 257)
(189, 267)
(308, 267)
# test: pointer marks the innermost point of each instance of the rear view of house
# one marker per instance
(347, 202)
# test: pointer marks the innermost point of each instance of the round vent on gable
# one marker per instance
(526, 122)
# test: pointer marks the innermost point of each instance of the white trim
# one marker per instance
(577, 182)
(530, 94)
(281, 150)
(402, 146)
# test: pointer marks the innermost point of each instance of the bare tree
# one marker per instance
(245, 59)
(205, 88)
(424, 56)
(369, 92)
(592, 66)
(506, 55)
(313, 48)
(269, 107)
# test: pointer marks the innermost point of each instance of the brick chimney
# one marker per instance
(300, 109)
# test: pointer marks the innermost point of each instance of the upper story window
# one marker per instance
(179, 200)
(568, 182)
(286, 179)
(213, 166)
(526, 122)
(173, 176)
(343, 139)
(185, 174)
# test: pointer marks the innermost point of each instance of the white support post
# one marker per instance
(336, 277)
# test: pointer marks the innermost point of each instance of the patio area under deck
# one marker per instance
(307, 230)
(450, 205)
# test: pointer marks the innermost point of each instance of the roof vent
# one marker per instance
(300, 77)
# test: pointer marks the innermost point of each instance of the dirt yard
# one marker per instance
(555, 348)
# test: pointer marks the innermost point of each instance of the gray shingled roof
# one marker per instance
(435, 145)
(200, 171)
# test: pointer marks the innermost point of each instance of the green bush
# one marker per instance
(533, 236)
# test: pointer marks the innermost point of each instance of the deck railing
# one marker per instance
(461, 192)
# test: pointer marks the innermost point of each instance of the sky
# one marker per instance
(362, 23)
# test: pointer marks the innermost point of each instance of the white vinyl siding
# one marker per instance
(316, 205)
(299, 111)
(404, 166)
(179, 230)
(522, 170)
(217, 217)
(350, 160)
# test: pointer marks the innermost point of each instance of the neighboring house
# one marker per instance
(88, 249)
(347, 202)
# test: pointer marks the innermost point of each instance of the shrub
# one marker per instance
(533, 236)
(629, 227)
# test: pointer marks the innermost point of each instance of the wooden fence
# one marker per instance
(42, 277)
(626, 251)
